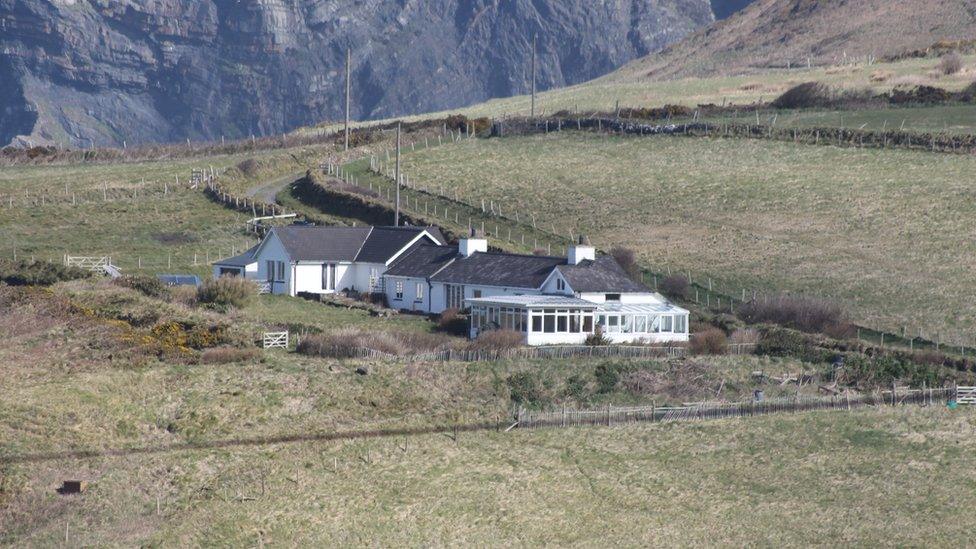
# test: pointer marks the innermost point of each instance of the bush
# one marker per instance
(576, 388)
(808, 314)
(226, 291)
(498, 340)
(349, 342)
(744, 336)
(951, 63)
(38, 273)
(675, 286)
(777, 341)
(626, 258)
(804, 96)
(607, 376)
(596, 339)
(148, 285)
(525, 388)
(711, 341)
(225, 355)
(452, 322)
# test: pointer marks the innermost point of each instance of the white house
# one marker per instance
(325, 260)
(552, 300)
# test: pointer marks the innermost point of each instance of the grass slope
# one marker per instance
(885, 231)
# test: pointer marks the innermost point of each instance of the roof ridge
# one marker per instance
(513, 254)
(363, 244)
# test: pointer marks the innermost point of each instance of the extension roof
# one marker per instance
(240, 260)
(603, 274)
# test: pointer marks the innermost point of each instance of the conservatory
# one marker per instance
(554, 320)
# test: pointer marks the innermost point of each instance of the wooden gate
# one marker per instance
(276, 339)
(966, 395)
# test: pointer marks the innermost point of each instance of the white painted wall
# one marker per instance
(409, 301)
(272, 250)
(438, 295)
(624, 298)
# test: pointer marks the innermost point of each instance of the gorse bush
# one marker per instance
(147, 284)
(452, 322)
(675, 286)
(951, 63)
(349, 342)
(808, 314)
(710, 341)
(38, 273)
(226, 291)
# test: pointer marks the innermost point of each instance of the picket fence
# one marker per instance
(611, 415)
(528, 353)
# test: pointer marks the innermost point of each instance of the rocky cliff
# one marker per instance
(77, 72)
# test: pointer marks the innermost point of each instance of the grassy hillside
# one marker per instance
(776, 32)
(883, 231)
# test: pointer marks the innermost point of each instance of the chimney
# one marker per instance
(472, 244)
(581, 252)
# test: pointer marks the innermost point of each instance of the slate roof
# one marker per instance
(498, 269)
(365, 244)
(241, 260)
(601, 275)
(310, 243)
(422, 261)
(383, 242)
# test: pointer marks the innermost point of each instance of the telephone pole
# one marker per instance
(348, 90)
(534, 36)
(396, 218)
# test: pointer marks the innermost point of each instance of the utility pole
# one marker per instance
(396, 218)
(534, 36)
(348, 90)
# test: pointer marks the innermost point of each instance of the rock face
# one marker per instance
(78, 72)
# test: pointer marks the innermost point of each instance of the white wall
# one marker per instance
(551, 285)
(272, 250)
(624, 298)
(438, 295)
(409, 301)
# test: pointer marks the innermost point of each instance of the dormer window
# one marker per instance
(612, 297)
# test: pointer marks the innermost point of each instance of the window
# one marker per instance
(667, 323)
(627, 324)
(536, 323)
(269, 266)
(476, 294)
(549, 323)
(281, 270)
(574, 322)
(601, 321)
(399, 289)
(613, 324)
(680, 324)
(640, 324)
(612, 297)
(454, 296)
(329, 276)
(420, 292)
(654, 325)
(562, 321)
(588, 323)
(560, 284)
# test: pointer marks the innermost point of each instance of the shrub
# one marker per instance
(38, 273)
(498, 340)
(626, 258)
(148, 285)
(576, 388)
(777, 341)
(804, 96)
(226, 291)
(249, 167)
(525, 388)
(951, 63)
(452, 322)
(675, 286)
(607, 376)
(808, 314)
(744, 336)
(596, 339)
(224, 355)
(711, 341)
(348, 343)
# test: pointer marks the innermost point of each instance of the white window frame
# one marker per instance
(399, 290)
(271, 267)
(419, 294)
(667, 324)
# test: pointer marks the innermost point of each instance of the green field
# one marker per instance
(885, 232)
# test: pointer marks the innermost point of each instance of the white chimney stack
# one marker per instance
(471, 245)
(580, 252)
